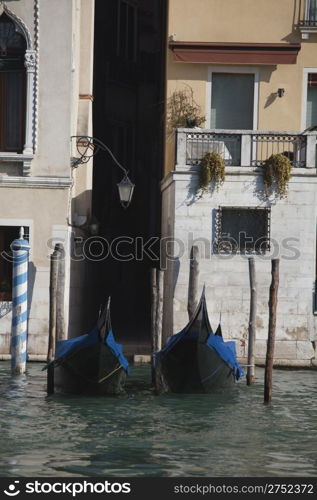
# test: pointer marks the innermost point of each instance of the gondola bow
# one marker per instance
(91, 364)
(196, 360)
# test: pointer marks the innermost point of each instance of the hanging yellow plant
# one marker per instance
(212, 170)
(277, 173)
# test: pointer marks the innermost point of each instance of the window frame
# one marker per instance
(305, 94)
(17, 223)
(235, 70)
(22, 114)
(219, 234)
(31, 98)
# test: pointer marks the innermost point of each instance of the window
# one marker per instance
(232, 101)
(311, 15)
(12, 87)
(232, 97)
(243, 230)
(7, 235)
(308, 24)
(127, 30)
(311, 105)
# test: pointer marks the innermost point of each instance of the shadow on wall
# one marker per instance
(31, 281)
(294, 36)
(256, 185)
(83, 312)
(270, 99)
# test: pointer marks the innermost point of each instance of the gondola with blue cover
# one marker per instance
(196, 360)
(92, 364)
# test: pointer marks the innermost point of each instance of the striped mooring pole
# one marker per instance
(20, 249)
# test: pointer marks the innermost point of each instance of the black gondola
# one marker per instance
(196, 360)
(92, 364)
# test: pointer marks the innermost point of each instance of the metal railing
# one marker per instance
(227, 145)
(292, 146)
(310, 14)
(245, 148)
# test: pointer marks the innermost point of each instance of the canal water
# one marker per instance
(226, 434)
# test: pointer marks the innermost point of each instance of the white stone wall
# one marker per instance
(227, 276)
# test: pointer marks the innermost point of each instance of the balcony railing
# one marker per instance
(248, 148)
(310, 14)
(309, 23)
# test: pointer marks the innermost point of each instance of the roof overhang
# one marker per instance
(235, 53)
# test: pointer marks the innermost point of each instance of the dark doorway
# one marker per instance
(128, 118)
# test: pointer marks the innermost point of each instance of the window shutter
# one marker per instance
(14, 111)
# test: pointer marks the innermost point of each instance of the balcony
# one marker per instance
(245, 148)
(309, 23)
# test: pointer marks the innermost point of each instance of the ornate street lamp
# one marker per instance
(88, 147)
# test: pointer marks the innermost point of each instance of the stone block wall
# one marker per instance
(226, 276)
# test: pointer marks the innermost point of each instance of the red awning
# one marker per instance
(235, 53)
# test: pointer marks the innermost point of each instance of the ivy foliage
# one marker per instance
(212, 171)
(277, 173)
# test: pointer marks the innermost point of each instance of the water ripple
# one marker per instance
(225, 434)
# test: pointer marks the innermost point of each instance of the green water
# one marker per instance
(229, 434)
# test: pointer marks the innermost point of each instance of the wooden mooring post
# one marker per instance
(157, 288)
(61, 333)
(54, 265)
(193, 281)
(272, 330)
(153, 306)
(159, 308)
(252, 319)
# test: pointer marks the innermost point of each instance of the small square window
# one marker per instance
(243, 230)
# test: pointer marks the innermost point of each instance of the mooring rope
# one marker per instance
(109, 374)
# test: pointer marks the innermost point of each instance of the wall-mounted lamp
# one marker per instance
(87, 147)
(280, 92)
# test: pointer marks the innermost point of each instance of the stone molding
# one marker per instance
(36, 182)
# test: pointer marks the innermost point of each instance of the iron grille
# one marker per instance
(228, 146)
(292, 146)
(243, 230)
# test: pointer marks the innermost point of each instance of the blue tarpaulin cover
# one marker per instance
(226, 350)
(65, 347)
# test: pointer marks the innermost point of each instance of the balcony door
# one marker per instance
(309, 99)
(311, 11)
(232, 101)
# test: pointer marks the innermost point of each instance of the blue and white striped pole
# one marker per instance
(20, 249)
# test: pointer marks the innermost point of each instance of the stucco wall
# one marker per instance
(232, 20)
(65, 62)
(45, 224)
(239, 22)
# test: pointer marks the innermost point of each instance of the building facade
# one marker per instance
(46, 61)
(249, 70)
